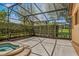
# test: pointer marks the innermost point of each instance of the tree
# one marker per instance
(3, 16)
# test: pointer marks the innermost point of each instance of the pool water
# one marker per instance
(7, 47)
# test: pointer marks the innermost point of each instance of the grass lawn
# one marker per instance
(63, 33)
(63, 30)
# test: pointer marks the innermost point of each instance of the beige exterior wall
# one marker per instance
(75, 27)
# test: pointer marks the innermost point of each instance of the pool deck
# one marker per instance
(49, 47)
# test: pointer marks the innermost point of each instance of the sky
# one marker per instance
(41, 17)
(13, 15)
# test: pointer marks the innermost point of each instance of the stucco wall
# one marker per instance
(75, 34)
(75, 27)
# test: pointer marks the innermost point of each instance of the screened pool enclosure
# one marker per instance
(34, 19)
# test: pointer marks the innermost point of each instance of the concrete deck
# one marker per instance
(49, 47)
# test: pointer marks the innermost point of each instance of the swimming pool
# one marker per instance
(8, 46)
(9, 49)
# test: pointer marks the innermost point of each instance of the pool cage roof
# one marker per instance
(35, 12)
